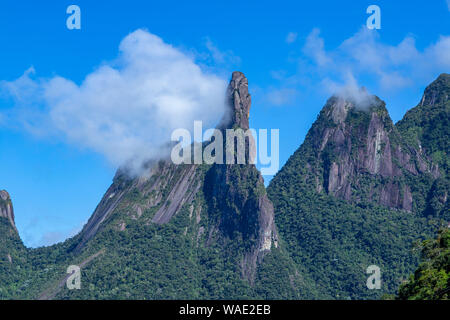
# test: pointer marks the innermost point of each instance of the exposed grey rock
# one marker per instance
(239, 101)
(6, 208)
(182, 192)
(169, 187)
(365, 144)
(238, 190)
(160, 175)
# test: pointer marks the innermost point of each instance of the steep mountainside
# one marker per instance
(427, 128)
(354, 152)
(355, 194)
(179, 232)
(235, 194)
(358, 192)
(192, 231)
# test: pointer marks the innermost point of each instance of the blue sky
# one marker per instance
(294, 53)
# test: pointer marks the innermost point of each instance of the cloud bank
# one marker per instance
(391, 66)
(125, 110)
(363, 58)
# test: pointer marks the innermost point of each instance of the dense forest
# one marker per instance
(431, 280)
(359, 191)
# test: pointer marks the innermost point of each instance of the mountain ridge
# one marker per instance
(216, 210)
(357, 192)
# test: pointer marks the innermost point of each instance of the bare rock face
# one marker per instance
(237, 191)
(239, 102)
(162, 175)
(236, 200)
(357, 146)
(6, 208)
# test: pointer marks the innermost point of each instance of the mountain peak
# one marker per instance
(426, 126)
(437, 91)
(353, 140)
(238, 101)
(6, 208)
(339, 105)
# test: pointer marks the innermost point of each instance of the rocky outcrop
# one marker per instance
(6, 208)
(333, 196)
(239, 102)
(183, 192)
(237, 191)
(152, 187)
(357, 146)
(236, 201)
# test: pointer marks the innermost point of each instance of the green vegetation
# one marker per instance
(209, 248)
(431, 280)
(427, 126)
(183, 259)
(336, 241)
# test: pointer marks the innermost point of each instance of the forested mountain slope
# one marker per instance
(183, 231)
(358, 192)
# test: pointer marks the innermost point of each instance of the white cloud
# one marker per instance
(127, 109)
(448, 5)
(362, 58)
(363, 54)
(439, 53)
(315, 48)
(350, 90)
(291, 37)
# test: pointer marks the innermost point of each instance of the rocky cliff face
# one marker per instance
(337, 198)
(6, 208)
(239, 102)
(354, 146)
(166, 187)
(237, 193)
(236, 202)
(208, 231)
